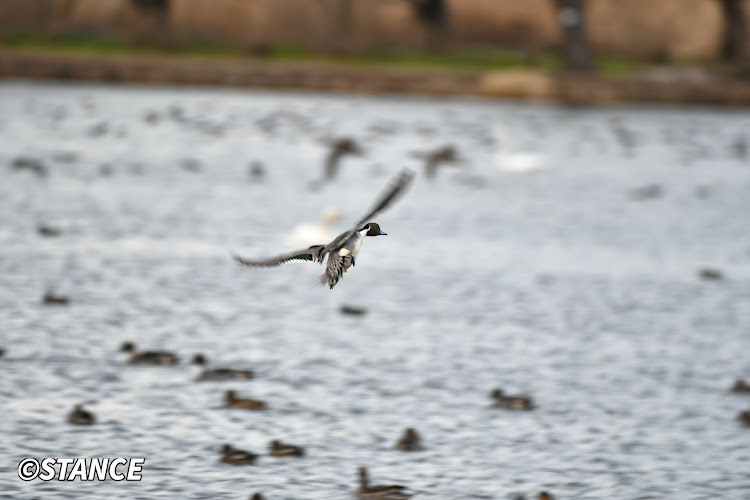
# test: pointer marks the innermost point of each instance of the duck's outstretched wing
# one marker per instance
(312, 254)
(389, 195)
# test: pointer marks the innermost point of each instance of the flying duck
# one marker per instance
(338, 149)
(148, 357)
(214, 374)
(379, 492)
(440, 156)
(344, 249)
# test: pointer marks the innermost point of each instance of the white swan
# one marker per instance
(304, 235)
(514, 162)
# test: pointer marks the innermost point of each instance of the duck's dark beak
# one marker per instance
(383, 234)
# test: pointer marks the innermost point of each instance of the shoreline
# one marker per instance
(667, 86)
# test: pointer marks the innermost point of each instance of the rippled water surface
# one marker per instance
(577, 284)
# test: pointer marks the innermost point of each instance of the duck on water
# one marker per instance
(344, 249)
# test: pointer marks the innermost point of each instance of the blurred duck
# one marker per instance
(312, 234)
(278, 449)
(514, 162)
(410, 441)
(148, 357)
(543, 495)
(740, 387)
(232, 401)
(79, 416)
(379, 492)
(48, 231)
(54, 299)
(235, 456)
(500, 400)
(218, 374)
(338, 149)
(445, 155)
(744, 418)
(256, 496)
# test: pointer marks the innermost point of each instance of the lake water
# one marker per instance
(577, 284)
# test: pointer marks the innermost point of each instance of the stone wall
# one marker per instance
(652, 29)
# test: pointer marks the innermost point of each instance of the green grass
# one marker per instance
(474, 59)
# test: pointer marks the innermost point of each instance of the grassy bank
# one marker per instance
(461, 60)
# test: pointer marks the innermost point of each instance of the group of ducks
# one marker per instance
(410, 440)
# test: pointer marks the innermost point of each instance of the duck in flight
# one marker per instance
(344, 249)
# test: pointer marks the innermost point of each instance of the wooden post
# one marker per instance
(576, 49)
(735, 44)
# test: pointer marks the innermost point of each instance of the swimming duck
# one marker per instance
(232, 401)
(352, 310)
(711, 274)
(79, 416)
(344, 249)
(379, 492)
(256, 496)
(744, 418)
(278, 449)
(235, 456)
(53, 299)
(215, 374)
(740, 386)
(510, 402)
(410, 441)
(543, 495)
(310, 234)
(48, 231)
(440, 156)
(338, 149)
(148, 357)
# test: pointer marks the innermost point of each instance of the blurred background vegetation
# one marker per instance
(610, 37)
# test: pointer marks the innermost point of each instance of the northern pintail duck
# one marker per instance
(446, 155)
(256, 496)
(278, 449)
(217, 374)
(338, 149)
(740, 387)
(80, 416)
(410, 441)
(500, 400)
(235, 456)
(379, 492)
(344, 249)
(232, 401)
(148, 357)
(744, 418)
